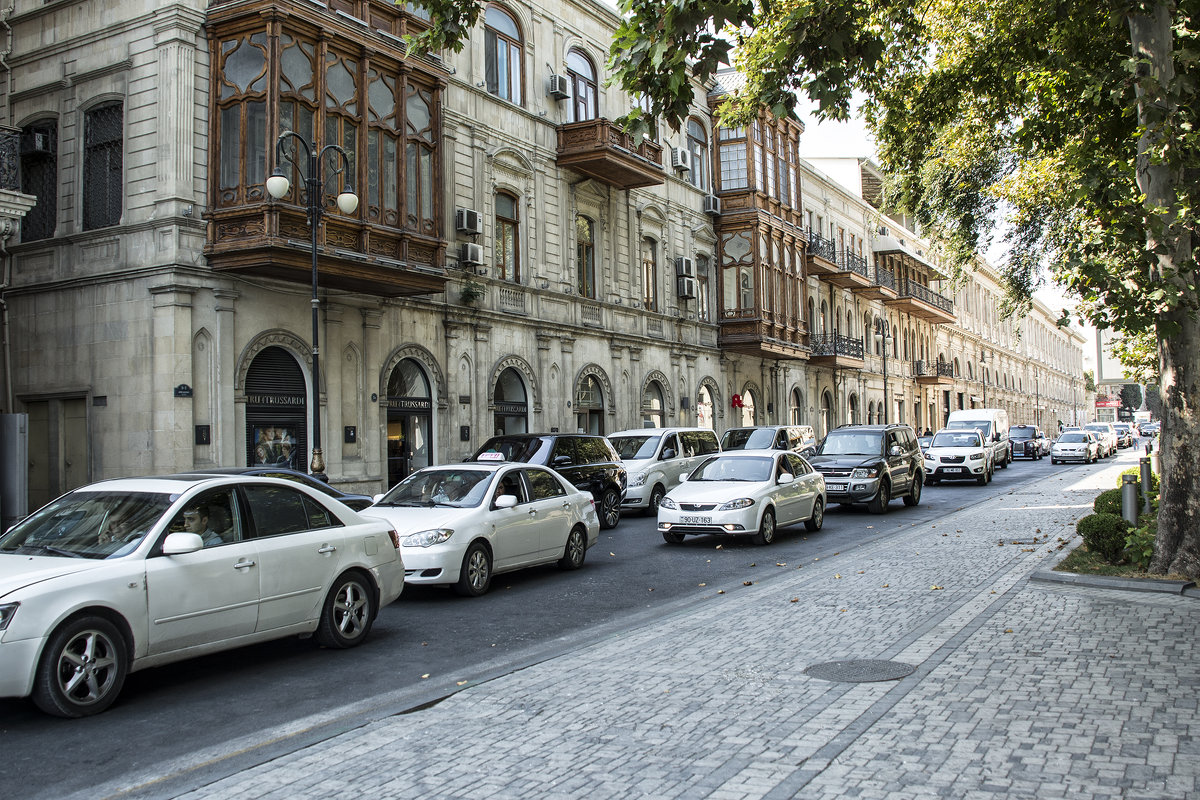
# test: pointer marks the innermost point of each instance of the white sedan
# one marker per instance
(744, 492)
(1081, 445)
(461, 524)
(126, 574)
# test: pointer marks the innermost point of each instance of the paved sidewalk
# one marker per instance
(1021, 689)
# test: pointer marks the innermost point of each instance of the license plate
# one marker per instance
(835, 487)
(687, 519)
(952, 469)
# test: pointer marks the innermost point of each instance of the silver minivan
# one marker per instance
(655, 459)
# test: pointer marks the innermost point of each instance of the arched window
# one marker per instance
(508, 248)
(503, 55)
(650, 274)
(652, 406)
(697, 142)
(39, 177)
(583, 86)
(510, 403)
(585, 256)
(103, 146)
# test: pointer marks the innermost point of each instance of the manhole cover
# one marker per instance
(860, 671)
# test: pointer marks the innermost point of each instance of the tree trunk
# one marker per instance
(1177, 548)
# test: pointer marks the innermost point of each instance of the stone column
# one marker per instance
(171, 367)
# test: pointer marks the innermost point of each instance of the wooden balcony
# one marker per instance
(933, 373)
(602, 150)
(274, 241)
(821, 255)
(835, 350)
(762, 338)
(921, 301)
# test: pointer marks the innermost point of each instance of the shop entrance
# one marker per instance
(276, 411)
(409, 421)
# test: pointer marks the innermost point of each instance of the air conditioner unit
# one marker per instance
(35, 142)
(468, 221)
(712, 205)
(681, 160)
(560, 87)
(685, 287)
(470, 254)
(685, 267)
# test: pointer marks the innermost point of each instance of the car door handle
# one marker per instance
(243, 565)
(326, 549)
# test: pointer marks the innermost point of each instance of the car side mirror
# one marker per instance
(505, 501)
(896, 451)
(177, 544)
(561, 461)
(668, 453)
(785, 479)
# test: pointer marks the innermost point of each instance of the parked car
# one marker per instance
(994, 424)
(923, 442)
(356, 501)
(588, 462)
(959, 454)
(1150, 428)
(744, 492)
(656, 458)
(871, 464)
(1107, 435)
(460, 524)
(1125, 434)
(126, 574)
(1082, 446)
(800, 439)
(1029, 441)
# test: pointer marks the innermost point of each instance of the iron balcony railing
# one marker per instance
(834, 344)
(852, 262)
(926, 295)
(942, 369)
(818, 245)
(885, 278)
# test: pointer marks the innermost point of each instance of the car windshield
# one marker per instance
(514, 448)
(633, 448)
(849, 443)
(1073, 437)
(459, 488)
(982, 424)
(87, 525)
(956, 439)
(748, 439)
(734, 469)
(1097, 428)
(1020, 433)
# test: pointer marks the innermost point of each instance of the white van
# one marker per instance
(994, 424)
(655, 459)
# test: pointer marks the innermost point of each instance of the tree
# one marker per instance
(1131, 396)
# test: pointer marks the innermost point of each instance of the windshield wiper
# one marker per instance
(58, 551)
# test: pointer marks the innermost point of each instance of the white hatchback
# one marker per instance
(132, 573)
(460, 524)
(744, 492)
(958, 454)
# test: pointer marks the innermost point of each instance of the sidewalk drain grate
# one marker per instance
(860, 671)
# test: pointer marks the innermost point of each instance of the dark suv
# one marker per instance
(589, 462)
(871, 464)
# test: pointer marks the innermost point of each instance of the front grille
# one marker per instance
(953, 459)
(697, 506)
(830, 472)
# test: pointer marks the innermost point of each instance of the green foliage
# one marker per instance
(1108, 502)
(1139, 544)
(1137, 473)
(1104, 534)
(472, 291)
(1089, 381)
(1138, 353)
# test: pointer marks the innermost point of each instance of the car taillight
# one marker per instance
(395, 537)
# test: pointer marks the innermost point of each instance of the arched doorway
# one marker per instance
(796, 410)
(854, 414)
(510, 403)
(704, 408)
(826, 412)
(589, 406)
(276, 411)
(409, 421)
(748, 403)
(652, 405)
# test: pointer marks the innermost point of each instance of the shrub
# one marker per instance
(1104, 535)
(1108, 502)
(1139, 544)
(1137, 473)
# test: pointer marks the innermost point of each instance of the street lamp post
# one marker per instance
(883, 336)
(1037, 403)
(983, 361)
(278, 186)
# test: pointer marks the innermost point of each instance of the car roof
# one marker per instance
(174, 484)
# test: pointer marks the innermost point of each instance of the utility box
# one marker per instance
(14, 469)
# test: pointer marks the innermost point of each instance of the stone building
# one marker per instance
(515, 262)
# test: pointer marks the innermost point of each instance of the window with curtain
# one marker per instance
(242, 112)
(583, 86)
(585, 256)
(503, 54)
(650, 274)
(103, 143)
(39, 177)
(508, 254)
(697, 143)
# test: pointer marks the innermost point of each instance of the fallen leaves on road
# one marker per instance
(1008, 630)
(747, 583)
(886, 585)
(426, 675)
(795, 599)
(837, 575)
(935, 586)
(704, 584)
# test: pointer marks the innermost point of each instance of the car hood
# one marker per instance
(712, 491)
(821, 463)
(938, 452)
(409, 519)
(18, 571)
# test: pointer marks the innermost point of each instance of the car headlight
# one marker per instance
(637, 479)
(976, 456)
(667, 502)
(7, 611)
(733, 505)
(427, 538)
(865, 472)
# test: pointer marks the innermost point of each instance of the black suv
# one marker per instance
(589, 462)
(871, 464)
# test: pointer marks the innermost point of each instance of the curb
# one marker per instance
(1186, 588)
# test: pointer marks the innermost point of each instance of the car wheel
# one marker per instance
(575, 551)
(656, 496)
(1004, 464)
(983, 478)
(914, 494)
(766, 528)
(1054, 461)
(82, 669)
(475, 577)
(610, 509)
(817, 519)
(879, 503)
(348, 613)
